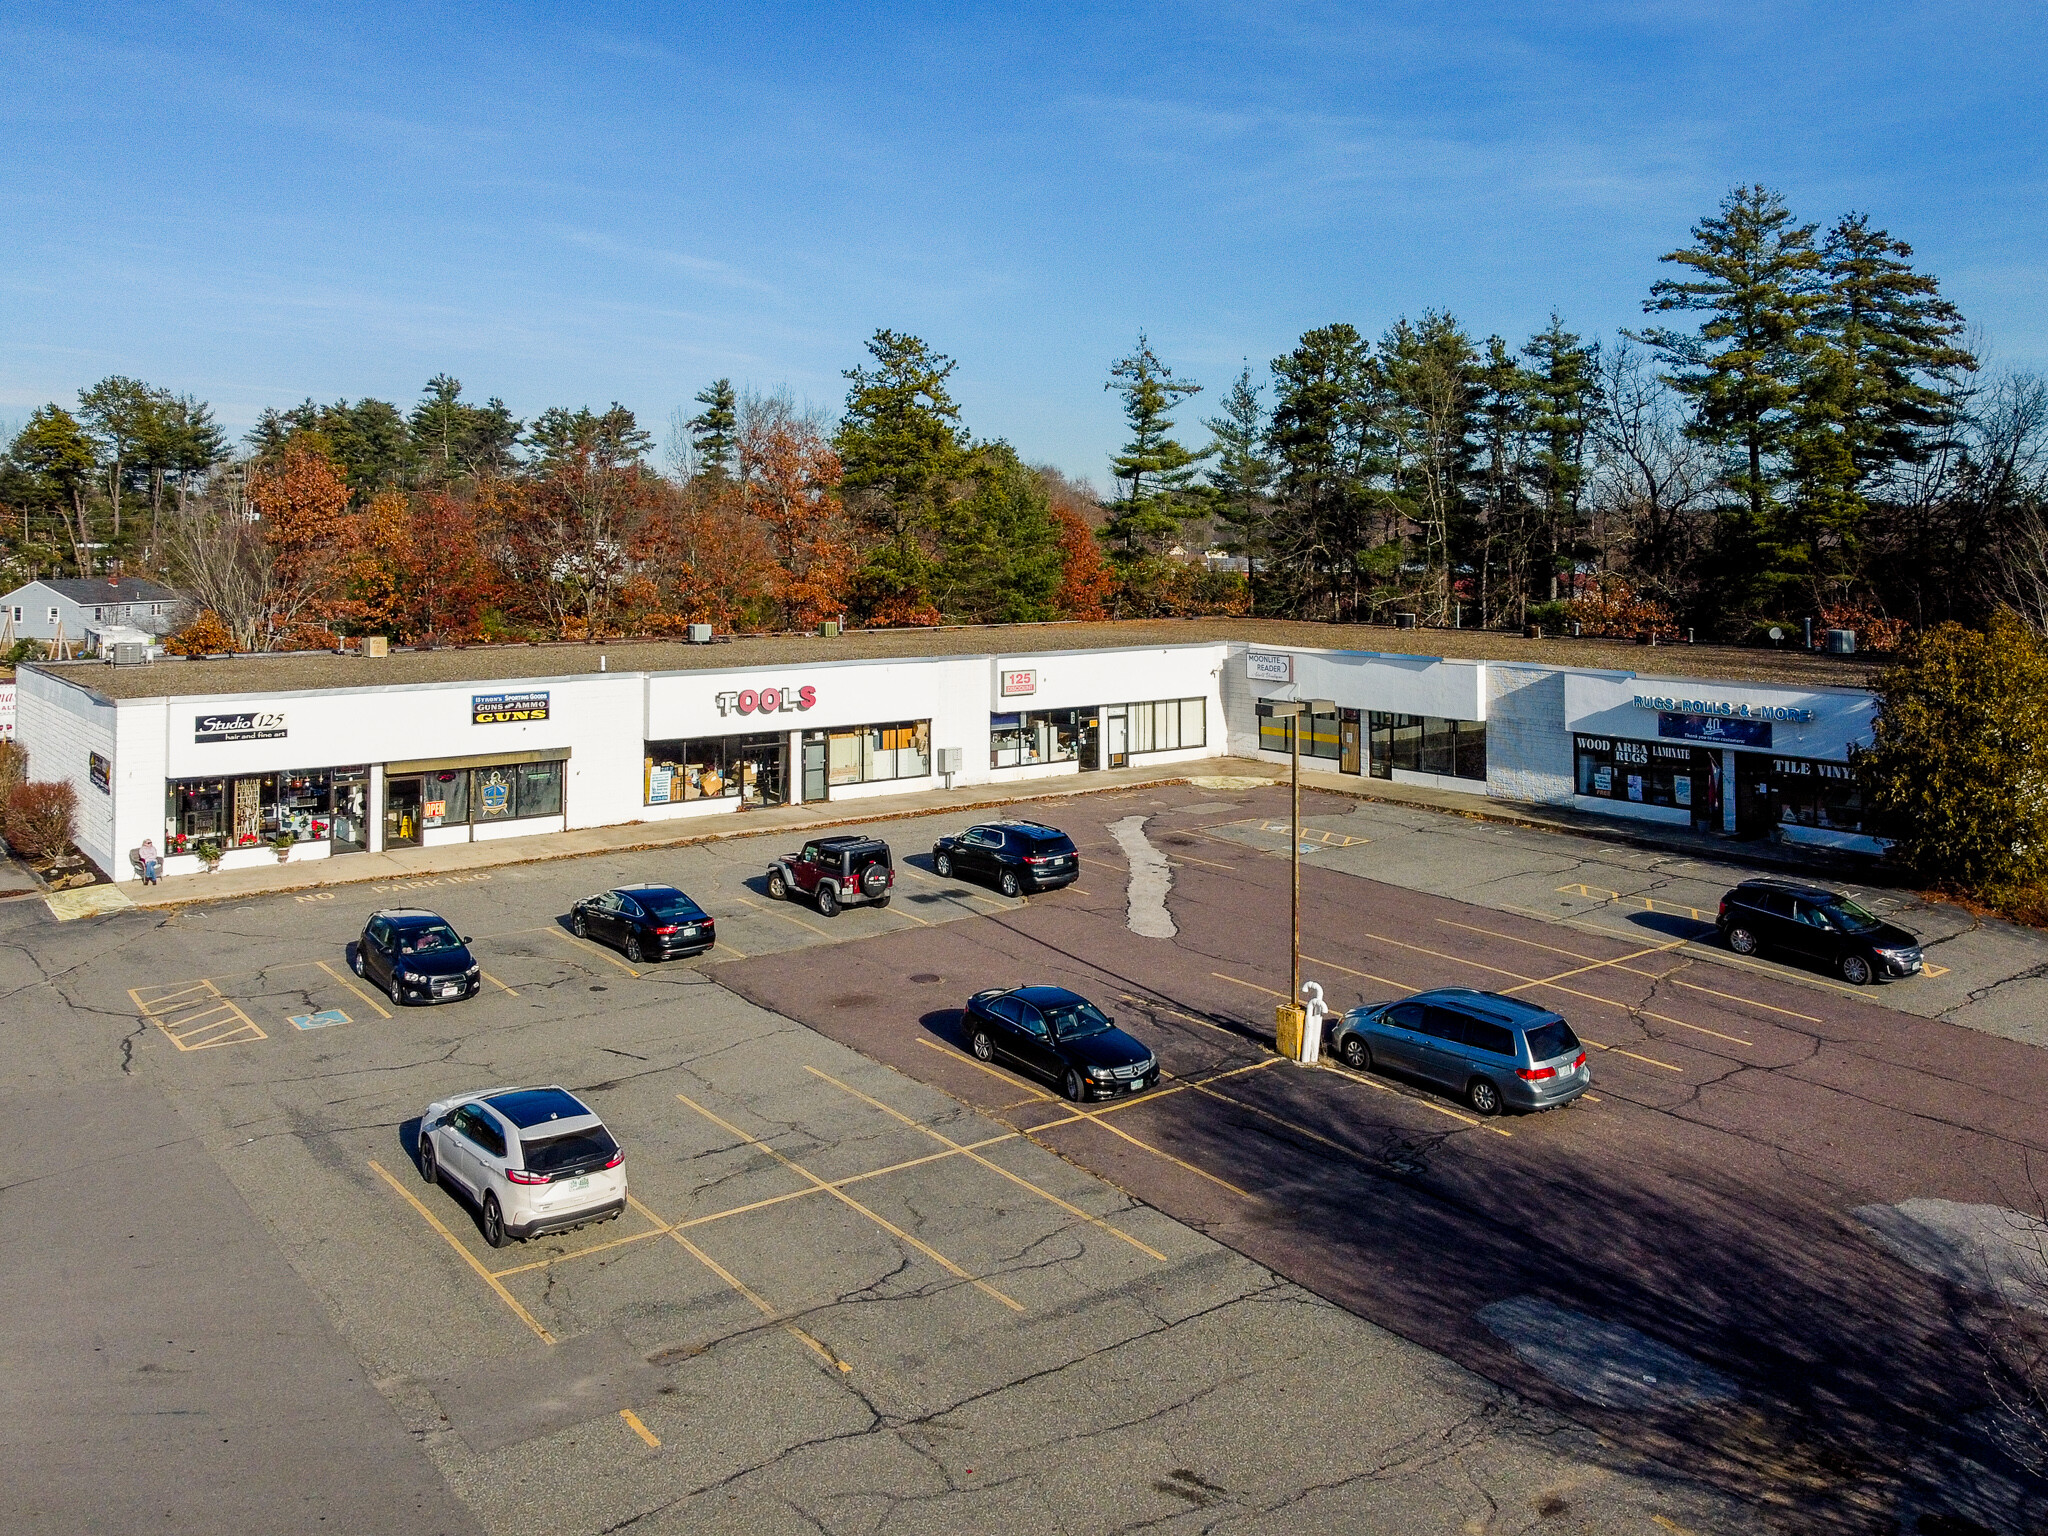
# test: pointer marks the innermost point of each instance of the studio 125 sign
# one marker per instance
(254, 725)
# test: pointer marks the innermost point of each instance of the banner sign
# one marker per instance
(506, 708)
(1724, 709)
(1018, 683)
(102, 772)
(1716, 730)
(256, 725)
(1269, 666)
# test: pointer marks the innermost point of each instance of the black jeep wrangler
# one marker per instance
(835, 872)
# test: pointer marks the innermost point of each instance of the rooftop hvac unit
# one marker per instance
(128, 654)
(700, 634)
(1841, 642)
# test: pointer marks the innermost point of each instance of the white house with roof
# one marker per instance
(88, 608)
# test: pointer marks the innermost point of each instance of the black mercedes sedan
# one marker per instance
(649, 922)
(1060, 1036)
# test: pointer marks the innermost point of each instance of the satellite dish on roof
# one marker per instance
(1777, 634)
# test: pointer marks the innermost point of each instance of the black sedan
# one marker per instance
(1014, 856)
(415, 956)
(649, 922)
(1060, 1036)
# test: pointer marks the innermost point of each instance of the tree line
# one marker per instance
(1800, 429)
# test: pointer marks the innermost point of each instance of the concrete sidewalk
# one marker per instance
(792, 821)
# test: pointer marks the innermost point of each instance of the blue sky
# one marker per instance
(564, 206)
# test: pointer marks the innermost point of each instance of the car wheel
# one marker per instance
(397, 992)
(1355, 1053)
(1011, 885)
(943, 863)
(778, 888)
(1076, 1089)
(361, 968)
(984, 1048)
(494, 1222)
(1742, 941)
(828, 902)
(1855, 970)
(633, 951)
(579, 927)
(1483, 1097)
(879, 901)
(430, 1170)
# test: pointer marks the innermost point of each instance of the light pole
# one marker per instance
(1293, 711)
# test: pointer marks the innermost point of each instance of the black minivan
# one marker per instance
(1816, 924)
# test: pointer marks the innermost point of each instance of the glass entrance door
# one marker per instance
(1088, 741)
(351, 810)
(402, 813)
(1348, 755)
(815, 779)
(1115, 753)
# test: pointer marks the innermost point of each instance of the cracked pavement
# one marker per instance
(1303, 1360)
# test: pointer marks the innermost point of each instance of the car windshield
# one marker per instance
(1548, 1040)
(429, 937)
(666, 903)
(1076, 1021)
(592, 1148)
(1853, 918)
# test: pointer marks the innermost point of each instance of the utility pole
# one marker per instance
(1296, 712)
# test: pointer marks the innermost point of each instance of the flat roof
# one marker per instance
(310, 671)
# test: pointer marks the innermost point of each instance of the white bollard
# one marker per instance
(1312, 1027)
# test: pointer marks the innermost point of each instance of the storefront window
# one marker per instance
(717, 768)
(1644, 772)
(880, 752)
(1167, 725)
(444, 798)
(1034, 736)
(1318, 733)
(1455, 749)
(1817, 794)
(247, 811)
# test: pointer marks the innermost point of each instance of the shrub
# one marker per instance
(206, 635)
(13, 770)
(41, 820)
(1958, 775)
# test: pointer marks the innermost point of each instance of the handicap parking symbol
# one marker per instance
(320, 1020)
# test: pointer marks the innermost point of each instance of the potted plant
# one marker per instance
(208, 850)
(283, 844)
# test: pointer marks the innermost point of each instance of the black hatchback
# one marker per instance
(1016, 856)
(1060, 1036)
(416, 957)
(649, 922)
(1815, 923)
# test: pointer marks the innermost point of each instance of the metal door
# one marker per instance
(1088, 744)
(1350, 759)
(1114, 722)
(815, 777)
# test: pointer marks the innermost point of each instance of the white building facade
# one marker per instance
(332, 771)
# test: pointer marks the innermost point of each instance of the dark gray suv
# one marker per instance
(1492, 1051)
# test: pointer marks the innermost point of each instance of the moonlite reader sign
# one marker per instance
(256, 725)
(506, 708)
(1269, 666)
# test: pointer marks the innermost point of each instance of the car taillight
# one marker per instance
(670, 928)
(521, 1176)
(1724, 907)
(616, 1158)
(1535, 1074)
(1580, 1062)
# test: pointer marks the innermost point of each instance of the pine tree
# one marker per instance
(1514, 546)
(1564, 391)
(1328, 533)
(1243, 475)
(1431, 373)
(715, 430)
(1156, 472)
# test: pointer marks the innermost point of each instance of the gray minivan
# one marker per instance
(1492, 1051)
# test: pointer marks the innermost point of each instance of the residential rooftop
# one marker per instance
(312, 671)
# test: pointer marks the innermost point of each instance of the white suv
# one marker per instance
(535, 1160)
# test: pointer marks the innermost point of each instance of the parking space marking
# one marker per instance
(487, 976)
(1605, 897)
(468, 1258)
(737, 954)
(580, 945)
(847, 1200)
(1189, 858)
(1314, 834)
(1042, 1096)
(1600, 965)
(1146, 1002)
(195, 1017)
(633, 1423)
(382, 1011)
(326, 1018)
(975, 1157)
(788, 917)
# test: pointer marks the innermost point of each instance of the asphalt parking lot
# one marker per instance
(867, 1284)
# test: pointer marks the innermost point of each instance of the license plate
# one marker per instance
(583, 1183)
(449, 988)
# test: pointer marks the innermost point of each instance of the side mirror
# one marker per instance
(466, 939)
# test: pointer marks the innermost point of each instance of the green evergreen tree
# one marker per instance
(56, 462)
(116, 413)
(1431, 373)
(1328, 544)
(1001, 561)
(714, 431)
(440, 424)
(1563, 393)
(1157, 474)
(1514, 548)
(1243, 474)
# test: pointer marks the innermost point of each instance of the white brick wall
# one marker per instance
(60, 725)
(1528, 746)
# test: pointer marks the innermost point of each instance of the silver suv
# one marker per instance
(1492, 1051)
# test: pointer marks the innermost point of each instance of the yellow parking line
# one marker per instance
(1600, 965)
(1146, 1002)
(382, 1011)
(633, 1423)
(737, 954)
(847, 1200)
(975, 1157)
(788, 917)
(468, 1258)
(580, 945)
(1189, 858)
(487, 976)
(1442, 1109)
(982, 1066)
(1239, 981)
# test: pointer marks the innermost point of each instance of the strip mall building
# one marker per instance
(351, 753)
